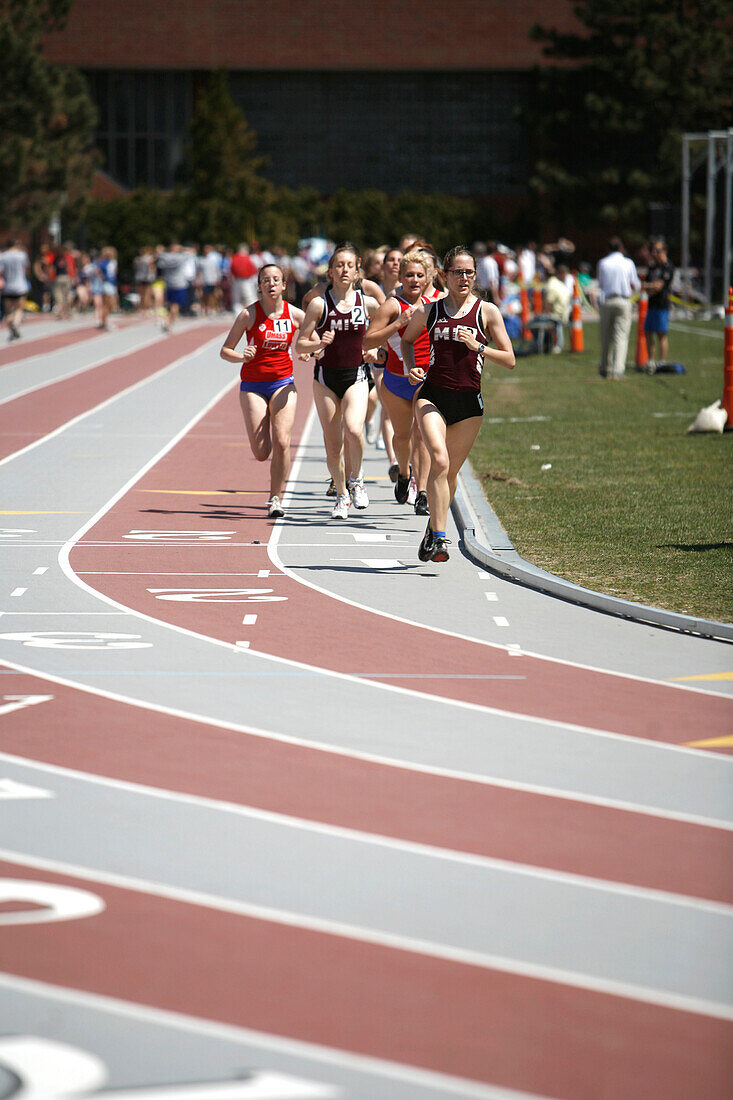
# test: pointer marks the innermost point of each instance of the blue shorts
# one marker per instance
(266, 389)
(176, 296)
(657, 320)
(400, 385)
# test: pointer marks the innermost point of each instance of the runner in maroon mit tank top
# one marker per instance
(449, 405)
(335, 325)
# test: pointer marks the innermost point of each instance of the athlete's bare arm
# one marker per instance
(493, 322)
(384, 324)
(308, 343)
(243, 323)
(409, 336)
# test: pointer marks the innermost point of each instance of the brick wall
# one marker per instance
(311, 35)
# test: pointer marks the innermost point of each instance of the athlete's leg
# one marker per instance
(328, 407)
(460, 438)
(400, 415)
(282, 415)
(433, 428)
(353, 415)
(257, 422)
(419, 457)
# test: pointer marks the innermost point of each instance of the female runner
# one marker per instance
(382, 432)
(267, 390)
(336, 324)
(397, 391)
(449, 405)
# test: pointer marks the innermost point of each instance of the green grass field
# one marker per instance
(632, 505)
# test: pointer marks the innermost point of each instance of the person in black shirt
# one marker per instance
(657, 283)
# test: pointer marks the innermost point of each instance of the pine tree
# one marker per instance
(606, 124)
(47, 120)
(228, 195)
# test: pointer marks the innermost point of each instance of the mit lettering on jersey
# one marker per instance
(443, 332)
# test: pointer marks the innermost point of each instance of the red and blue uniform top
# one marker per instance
(272, 336)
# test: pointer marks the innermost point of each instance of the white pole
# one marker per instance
(710, 220)
(727, 241)
(685, 257)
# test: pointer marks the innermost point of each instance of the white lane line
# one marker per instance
(715, 333)
(18, 591)
(370, 758)
(365, 838)
(500, 620)
(40, 571)
(210, 1029)
(80, 370)
(162, 572)
(249, 620)
(392, 941)
(110, 400)
(492, 596)
(273, 549)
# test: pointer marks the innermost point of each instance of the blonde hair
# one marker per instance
(414, 256)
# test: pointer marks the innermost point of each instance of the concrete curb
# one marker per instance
(486, 541)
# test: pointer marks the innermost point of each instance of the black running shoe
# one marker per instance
(424, 550)
(402, 489)
(394, 471)
(421, 504)
(439, 550)
(331, 490)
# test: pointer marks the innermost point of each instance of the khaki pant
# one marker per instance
(615, 330)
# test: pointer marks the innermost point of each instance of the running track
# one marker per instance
(385, 831)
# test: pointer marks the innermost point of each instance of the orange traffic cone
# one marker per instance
(524, 299)
(728, 363)
(576, 322)
(537, 296)
(642, 354)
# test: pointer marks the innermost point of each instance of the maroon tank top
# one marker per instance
(345, 353)
(452, 365)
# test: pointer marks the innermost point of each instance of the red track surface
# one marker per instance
(104, 737)
(485, 1024)
(319, 627)
(31, 417)
(454, 1018)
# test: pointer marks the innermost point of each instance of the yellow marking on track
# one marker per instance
(712, 743)
(25, 512)
(207, 492)
(706, 676)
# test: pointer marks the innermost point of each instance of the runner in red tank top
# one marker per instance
(267, 389)
(449, 405)
(335, 325)
(397, 392)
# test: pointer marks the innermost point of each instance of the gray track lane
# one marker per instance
(461, 596)
(143, 1047)
(47, 367)
(573, 928)
(80, 469)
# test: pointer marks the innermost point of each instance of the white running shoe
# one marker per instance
(275, 509)
(341, 507)
(358, 492)
(372, 429)
(412, 491)
(380, 443)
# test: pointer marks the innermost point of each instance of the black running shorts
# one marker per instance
(453, 405)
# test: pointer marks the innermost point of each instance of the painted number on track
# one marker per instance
(47, 1070)
(78, 639)
(52, 902)
(216, 595)
(180, 536)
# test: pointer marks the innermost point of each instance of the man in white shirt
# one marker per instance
(617, 281)
(487, 274)
(14, 267)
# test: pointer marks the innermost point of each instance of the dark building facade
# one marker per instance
(391, 95)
